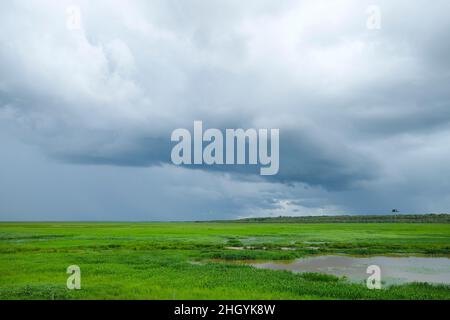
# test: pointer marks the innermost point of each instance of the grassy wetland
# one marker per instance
(207, 260)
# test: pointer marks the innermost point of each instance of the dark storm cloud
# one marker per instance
(363, 114)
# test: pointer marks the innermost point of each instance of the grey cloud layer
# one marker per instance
(363, 114)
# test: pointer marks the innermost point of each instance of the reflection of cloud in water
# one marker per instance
(393, 269)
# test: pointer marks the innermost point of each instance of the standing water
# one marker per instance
(394, 270)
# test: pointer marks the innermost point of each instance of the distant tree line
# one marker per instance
(403, 218)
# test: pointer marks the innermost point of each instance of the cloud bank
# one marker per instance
(86, 113)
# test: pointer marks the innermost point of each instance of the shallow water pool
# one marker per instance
(394, 270)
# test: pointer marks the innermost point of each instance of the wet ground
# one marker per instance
(394, 270)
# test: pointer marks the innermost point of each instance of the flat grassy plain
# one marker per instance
(194, 260)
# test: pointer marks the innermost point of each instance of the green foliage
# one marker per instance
(313, 276)
(178, 260)
(234, 243)
(399, 218)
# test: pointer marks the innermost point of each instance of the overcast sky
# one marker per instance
(87, 109)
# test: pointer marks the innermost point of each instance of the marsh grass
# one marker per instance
(154, 260)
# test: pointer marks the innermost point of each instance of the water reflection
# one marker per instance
(394, 270)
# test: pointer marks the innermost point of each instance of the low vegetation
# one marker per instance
(403, 218)
(190, 260)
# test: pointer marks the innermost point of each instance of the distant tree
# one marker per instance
(394, 212)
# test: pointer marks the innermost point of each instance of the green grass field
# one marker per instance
(189, 260)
